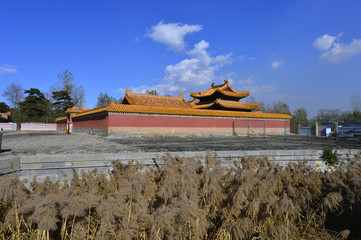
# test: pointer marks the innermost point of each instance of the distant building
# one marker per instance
(217, 110)
(5, 117)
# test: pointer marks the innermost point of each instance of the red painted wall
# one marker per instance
(123, 120)
(93, 123)
(163, 124)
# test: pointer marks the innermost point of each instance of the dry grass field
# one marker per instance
(185, 200)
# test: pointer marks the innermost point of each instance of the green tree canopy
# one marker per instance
(299, 117)
(62, 101)
(353, 117)
(4, 107)
(35, 107)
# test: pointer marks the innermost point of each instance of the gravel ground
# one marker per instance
(31, 142)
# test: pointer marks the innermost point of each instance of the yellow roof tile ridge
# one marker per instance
(143, 109)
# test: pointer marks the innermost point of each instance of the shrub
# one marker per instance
(330, 158)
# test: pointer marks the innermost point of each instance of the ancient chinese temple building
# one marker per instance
(222, 97)
(5, 117)
(217, 110)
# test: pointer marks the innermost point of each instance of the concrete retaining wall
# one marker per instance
(58, 165)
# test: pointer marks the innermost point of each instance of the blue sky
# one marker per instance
(306, 53)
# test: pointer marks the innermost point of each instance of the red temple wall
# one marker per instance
(180, 125)
(95, 124)
(60, 125)
(104, 124)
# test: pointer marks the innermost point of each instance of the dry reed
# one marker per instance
(184, 199)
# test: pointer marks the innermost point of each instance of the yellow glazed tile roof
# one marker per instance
(224, 88)
(75, 109)
(154, 100)
(229, 104)
(60, 118)
(125, 108)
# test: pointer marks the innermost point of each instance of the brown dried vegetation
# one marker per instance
(184, 199)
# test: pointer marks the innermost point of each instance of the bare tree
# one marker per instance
(329, 115)
(356, 102)
(79, 96)
(104, 99)
(14, 93)
(278, 107)
(252, 99)
(66, 83)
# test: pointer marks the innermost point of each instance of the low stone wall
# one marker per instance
(38, 127)
(8, 126)
(60, 166)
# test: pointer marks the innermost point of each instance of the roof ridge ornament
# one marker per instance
(226, 81)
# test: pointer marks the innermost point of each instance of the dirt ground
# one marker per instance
(31, 142)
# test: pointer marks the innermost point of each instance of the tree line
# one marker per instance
(33, 105)
(300, 116)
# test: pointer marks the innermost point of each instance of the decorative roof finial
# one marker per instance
(226, 81)
(213, 85)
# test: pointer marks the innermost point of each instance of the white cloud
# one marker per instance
(7, 69)
(262, 89)
(324, 42)
(229, 77)
(248, 80)
(277, 64)
(197, 70)
(249, 84)
(335, 51)
(340, 51)
(172, 34)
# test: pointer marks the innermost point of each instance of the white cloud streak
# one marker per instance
(335, 51)
(277, 64)
(4, 69)
(254, 89)
(172, 34)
